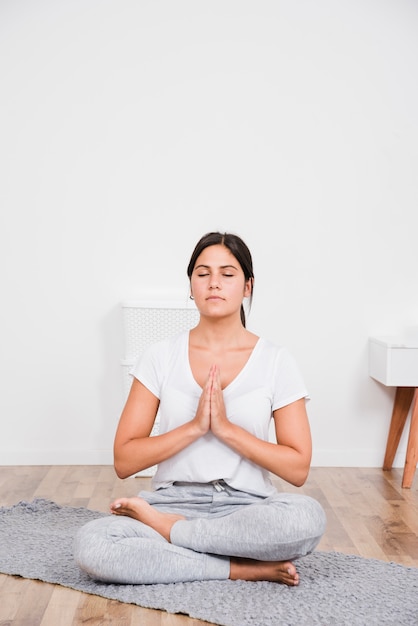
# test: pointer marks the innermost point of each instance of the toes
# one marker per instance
(117, 505)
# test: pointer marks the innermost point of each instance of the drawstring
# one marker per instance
(218, 485)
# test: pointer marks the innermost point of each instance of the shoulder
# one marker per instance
(168, 344)
(266, 347)
(281, 371)
(276, 357)
(157, 359)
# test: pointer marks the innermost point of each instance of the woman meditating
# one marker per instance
(214, 512)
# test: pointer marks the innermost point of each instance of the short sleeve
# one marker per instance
(289, 384)
(148, 369)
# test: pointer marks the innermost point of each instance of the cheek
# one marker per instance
(197, 287)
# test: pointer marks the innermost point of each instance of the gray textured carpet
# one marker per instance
(335, 589)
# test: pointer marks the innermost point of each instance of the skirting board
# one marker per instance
(320, 458)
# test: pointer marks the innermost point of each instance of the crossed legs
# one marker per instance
(240, 568)
(141, 544)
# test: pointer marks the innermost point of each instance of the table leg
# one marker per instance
(403, 400)
(412, 449)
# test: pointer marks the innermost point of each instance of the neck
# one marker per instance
(219, 333)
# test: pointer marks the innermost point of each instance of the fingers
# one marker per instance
(202, 417)
(211, 412)
(118, 506)
(218, 418)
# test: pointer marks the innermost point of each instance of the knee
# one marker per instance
(311, 517)
(312, 524)
(87, 549)
(81, 545)
(318, 516)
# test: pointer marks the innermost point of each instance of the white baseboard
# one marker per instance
(354, 458)
(320, 458)
(56, 457)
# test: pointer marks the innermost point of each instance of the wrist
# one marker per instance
(197, 429)
(224, 431)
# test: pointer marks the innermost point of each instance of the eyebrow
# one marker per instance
(222, 267)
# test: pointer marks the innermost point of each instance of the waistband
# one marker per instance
(219, 485)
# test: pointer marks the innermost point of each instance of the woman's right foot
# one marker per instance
(139, 509)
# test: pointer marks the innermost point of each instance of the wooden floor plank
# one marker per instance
(33, 604)
(61, 608)
(95, 611)
(19, 483)
(52, 482)
(12, 591)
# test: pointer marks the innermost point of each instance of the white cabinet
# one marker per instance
(146, 322)
(393, 362)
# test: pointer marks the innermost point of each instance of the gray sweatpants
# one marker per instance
(220, 523)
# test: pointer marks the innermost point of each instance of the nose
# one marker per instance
(214, 284)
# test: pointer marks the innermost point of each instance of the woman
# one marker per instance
(214, 512)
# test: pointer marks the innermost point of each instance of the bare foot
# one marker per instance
(274, 571)
(139, 509)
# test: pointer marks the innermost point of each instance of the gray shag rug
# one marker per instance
(36, 540)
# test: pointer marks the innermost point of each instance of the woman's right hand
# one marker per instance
(202, 417)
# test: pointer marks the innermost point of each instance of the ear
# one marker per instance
(248, 289)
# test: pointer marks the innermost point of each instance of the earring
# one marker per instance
(191, 297)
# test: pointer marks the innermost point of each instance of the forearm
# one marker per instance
(139, 453)
(284, 461)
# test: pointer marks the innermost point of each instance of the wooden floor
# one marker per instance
(368, 514)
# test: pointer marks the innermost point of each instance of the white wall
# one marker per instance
(129, 129)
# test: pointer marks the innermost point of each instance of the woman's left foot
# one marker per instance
(274, 571)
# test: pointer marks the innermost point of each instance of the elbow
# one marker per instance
(125, 469)
(121, 470)
(120, 473)
(299, 482)
(121, 464)
(300, 477)
(302, 469)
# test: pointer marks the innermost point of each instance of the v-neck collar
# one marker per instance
(234, 380)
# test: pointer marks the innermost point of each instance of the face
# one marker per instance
(218, 283)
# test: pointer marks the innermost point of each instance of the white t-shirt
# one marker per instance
(269, 380)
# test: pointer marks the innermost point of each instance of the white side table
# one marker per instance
(394, 363)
